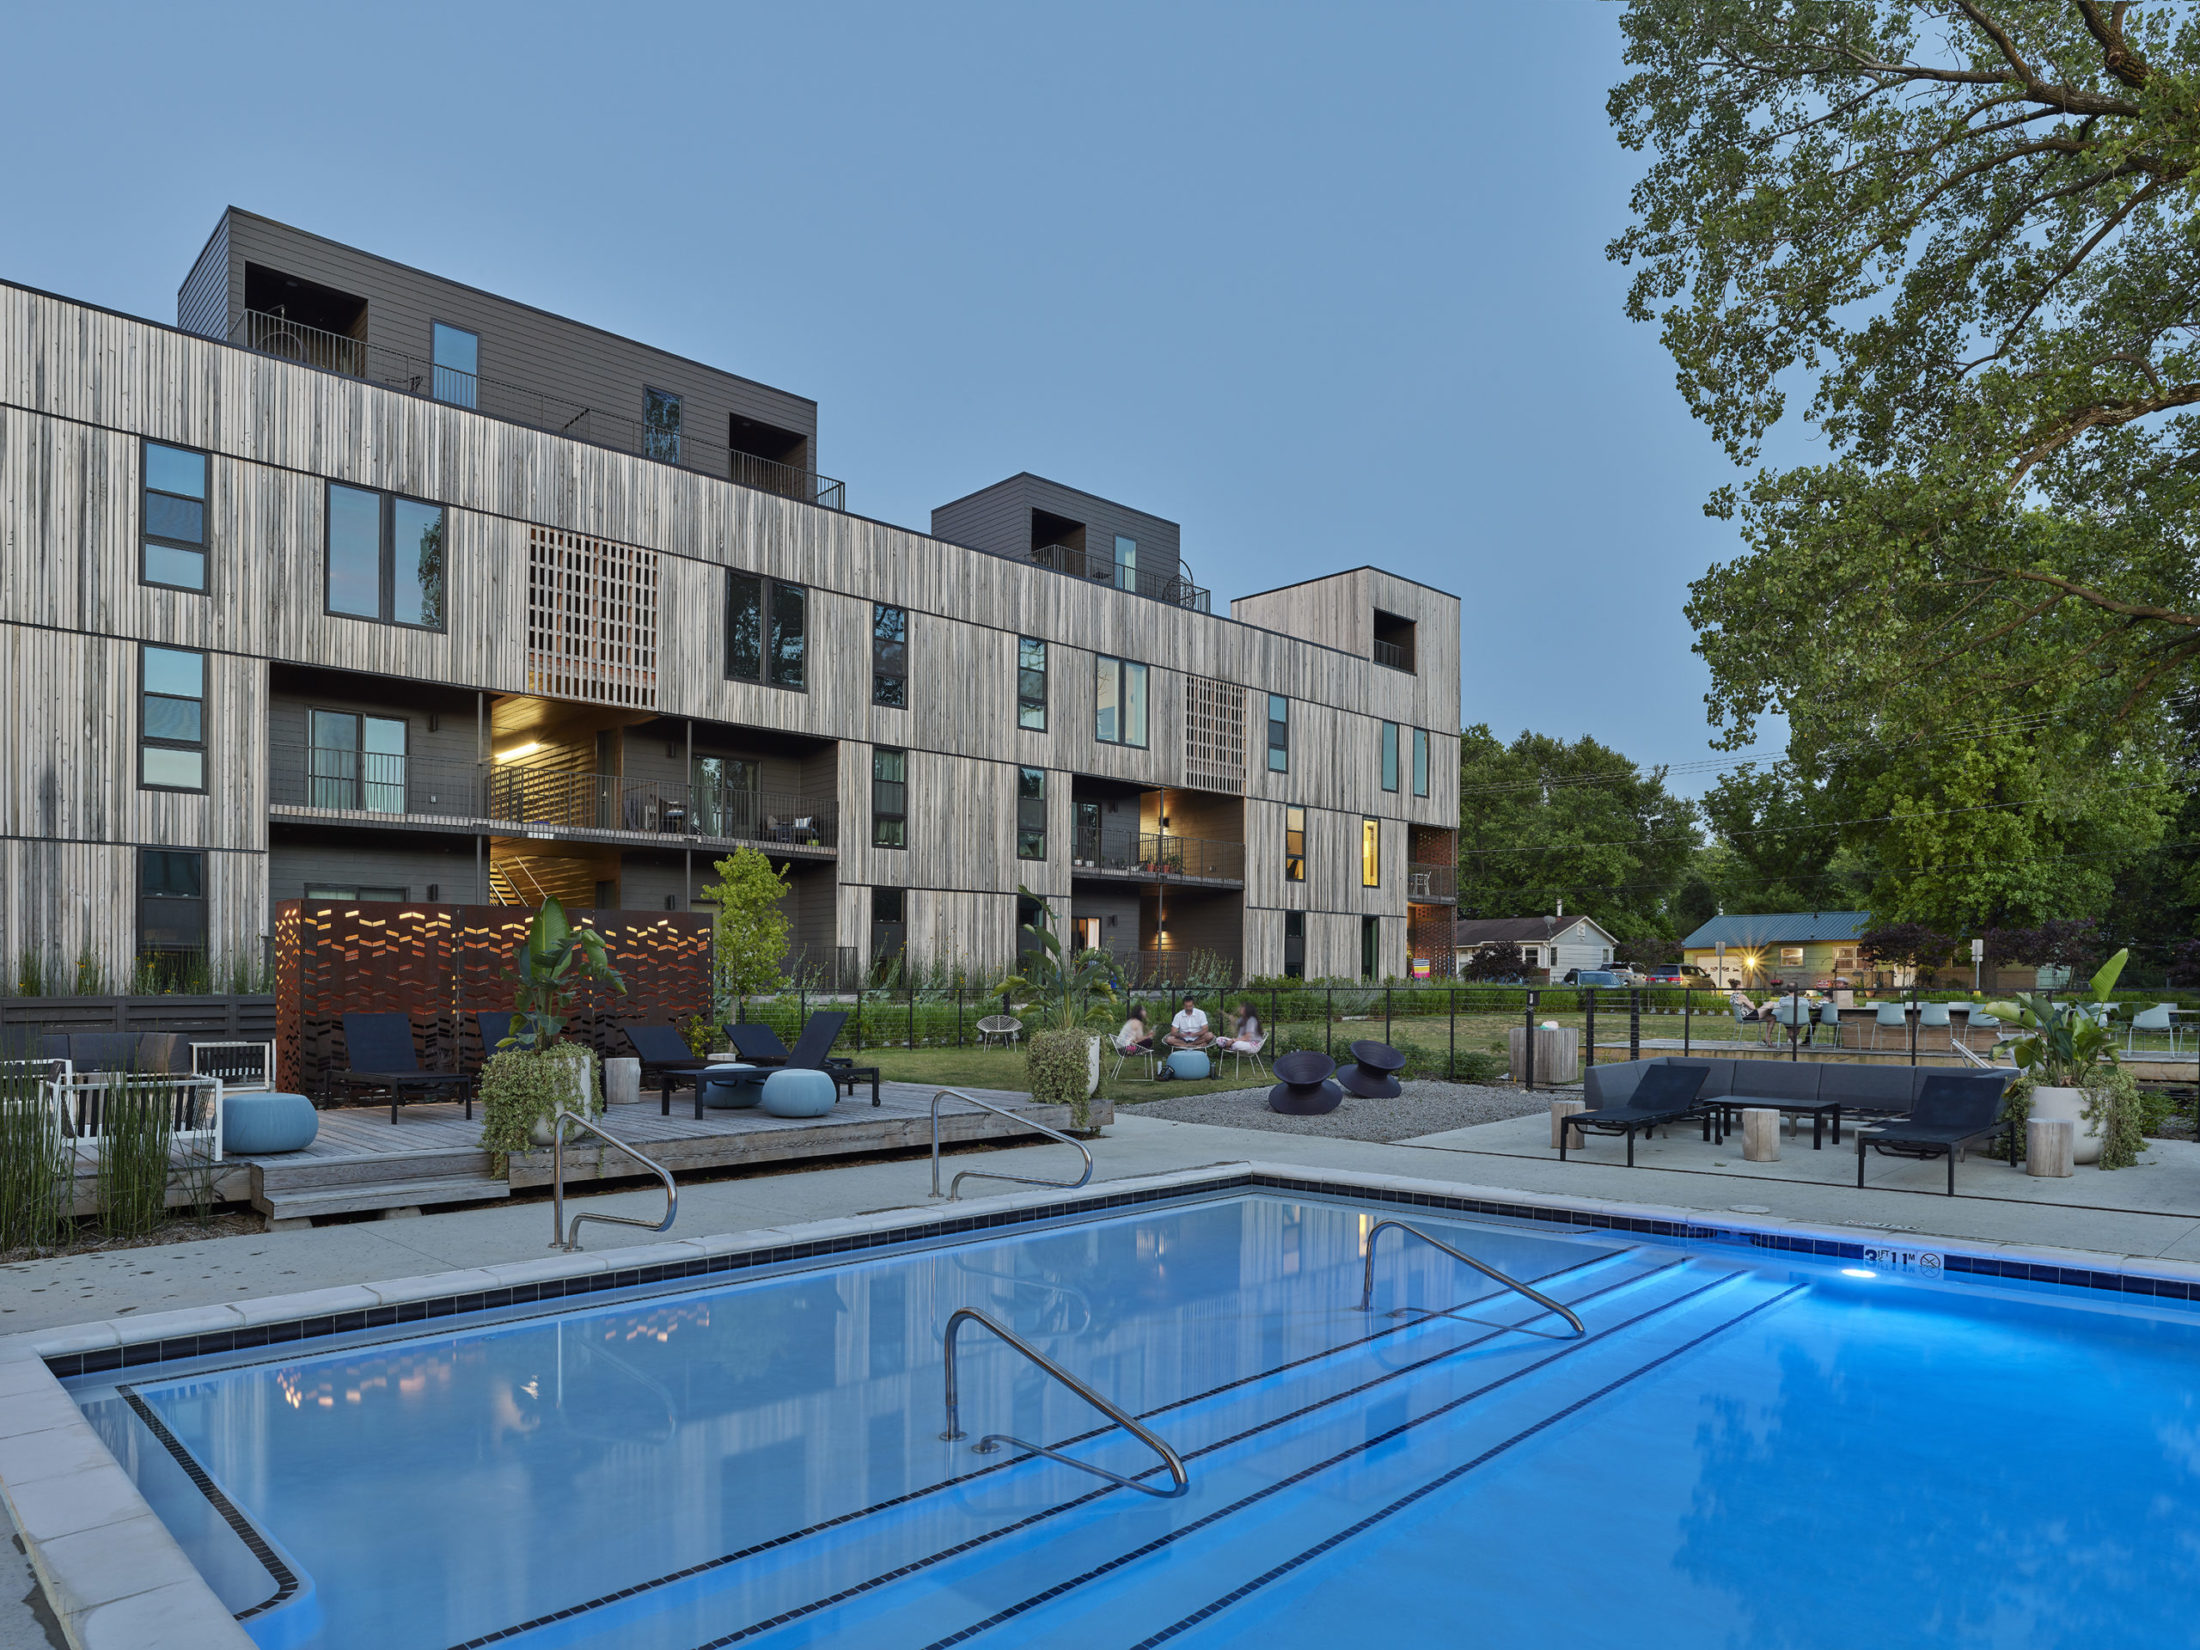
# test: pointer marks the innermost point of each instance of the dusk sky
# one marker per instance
(1326, 285)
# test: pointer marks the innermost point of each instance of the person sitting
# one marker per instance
(1189, 1028)
(1245, 1037)
(1136, 1037)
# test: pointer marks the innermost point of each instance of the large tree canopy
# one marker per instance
(1970, 229)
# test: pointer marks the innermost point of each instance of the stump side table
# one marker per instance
(2050, 1146)
(1560, 1111)
(1760, 1134)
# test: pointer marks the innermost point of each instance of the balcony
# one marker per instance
(1174, 587)
(1391, 654)
(512, 799)
(1157, 857)
(1432, 884)
(516, 404)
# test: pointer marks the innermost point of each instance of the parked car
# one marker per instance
(1596, 976)
(1679, 974)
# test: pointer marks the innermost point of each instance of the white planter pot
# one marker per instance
(2070, 1103)
(542, 1133)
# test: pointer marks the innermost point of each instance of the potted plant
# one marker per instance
(535, 1074)
(2070, 1060)
(1066, 999)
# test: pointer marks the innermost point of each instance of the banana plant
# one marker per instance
(2068, 1042)
(550, 965)
(1063, 991)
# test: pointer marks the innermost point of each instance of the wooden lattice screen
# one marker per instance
(442, 963)
(591, 619)
(1214, 734)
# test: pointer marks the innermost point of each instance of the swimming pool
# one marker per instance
(1743, 1448)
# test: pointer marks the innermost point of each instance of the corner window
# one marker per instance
(889, 797)
(457, 365)
(1371, 853)
(1294, 844)
(661, 425)
(1126, 563)
(767, 631)
(385, 558)
(1420, 761)
(1119, 702)
(171, 903)
(1279, 734)
(890, 656)
(1031, 684)
(174, 503)
(171, 719)
(1031, 813)
(1390, 756)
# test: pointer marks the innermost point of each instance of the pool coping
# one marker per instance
(119, 1581)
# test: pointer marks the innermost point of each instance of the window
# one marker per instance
(889, 925)
(331, 890)
(1031, 813)
(385, 557)
(890, 656)
(889, 797)
(1791, 956)
(1371, 947)
(1390, 756)
(1031, 684)
(1126, 563)
(171, 903)
(767, 635)
(1279, 734)
(1371, 853)
(175, 518)
(661, 425)
(1294, 945)
(1294, 844)
(1120, 701)
(356, 762)
(172, 719)
(457, 365)
(1420, 761)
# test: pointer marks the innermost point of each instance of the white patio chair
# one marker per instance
(1891, 1017)
(1126, 1051)
(2157, 1018)
(999, 1028)
(1248, 1050)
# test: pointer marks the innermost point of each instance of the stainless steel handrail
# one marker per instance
(954, 1187)
(567, 1237)
(1367, 1278)
(994, 1440)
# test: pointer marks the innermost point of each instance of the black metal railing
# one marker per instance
(517, 404)
(1161, 856)
(1438, 884)
(340, 777)
(1391, 654)
(1174, 587)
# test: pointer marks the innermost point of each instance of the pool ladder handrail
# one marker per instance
(1180, 1481)
(1367, 1276)
(568, 1238)
(954, 1187)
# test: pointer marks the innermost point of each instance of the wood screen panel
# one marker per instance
(1214, 734)
(591, 619)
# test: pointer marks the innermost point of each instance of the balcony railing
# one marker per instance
(1162, 857)
(1434, 884)
(516, 404)
(1174, 587)
(1391, 654)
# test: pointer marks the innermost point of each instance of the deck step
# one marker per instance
(303, 1204)
(289, 1174)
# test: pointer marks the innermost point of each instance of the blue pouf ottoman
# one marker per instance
(1190, 1063)
(731, 1088)
(254, 1125)
(800, 1093)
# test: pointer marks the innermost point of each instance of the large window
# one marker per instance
(1031, 684)
(1120, 701)
(890, 656)
(1126, 563)
(889, 926)
(1279, 734)
(1371, 853)
(1371, 947)
(1031, 813)
(889, 797)
(175, 518)
(357, 761)
(661, 425)
(172, 719)
(1420, 761)
(385, 557)
(767, 631)
(1294, 945)
(171, 903)
(457, 365)
(1294, 844)
(1390, 756)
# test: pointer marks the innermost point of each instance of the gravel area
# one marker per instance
(1422, 1108)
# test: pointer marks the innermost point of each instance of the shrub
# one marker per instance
(518, 1086)
(2114, 1103)
(37, 1169)
(1057, 1071)
(136, 1138)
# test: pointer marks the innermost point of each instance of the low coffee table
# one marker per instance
(1816, 1110)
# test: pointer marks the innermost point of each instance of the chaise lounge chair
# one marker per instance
(668, 1061)
(757, 1045)
(380, 1049)
(1950, 1112)
(812, 1051)
(1665, 1094)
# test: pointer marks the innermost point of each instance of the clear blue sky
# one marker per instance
(1325, 284)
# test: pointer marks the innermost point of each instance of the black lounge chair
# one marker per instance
(1304, 1088)
(1950, 1112)
(495, 1025)
(1372, 1075)
(758, 1045)
(668, 1060)
(812, 1051)
(380, 1049)
(1666, 1094)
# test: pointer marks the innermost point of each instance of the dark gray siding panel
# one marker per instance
(997, 520)
(408, 863)
(202, 303)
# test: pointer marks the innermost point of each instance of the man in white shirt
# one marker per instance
(1189, 1028)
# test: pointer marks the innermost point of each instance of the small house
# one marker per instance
(1549, 944)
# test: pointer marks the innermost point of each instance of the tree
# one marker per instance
(1501, 960)
(1970, 229)
(749, 930)
(1909, 945)
(1541, 820)
(1778, 849)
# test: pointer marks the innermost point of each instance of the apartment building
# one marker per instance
(358, 584)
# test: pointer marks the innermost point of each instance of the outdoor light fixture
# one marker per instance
(517, 751)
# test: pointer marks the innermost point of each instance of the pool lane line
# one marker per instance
(1170, 1537)
(1186, 1623)
(1028, 1522)
(287, 1584)
(888, 1505)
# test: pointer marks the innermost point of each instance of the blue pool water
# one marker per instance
(1742, 1451)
